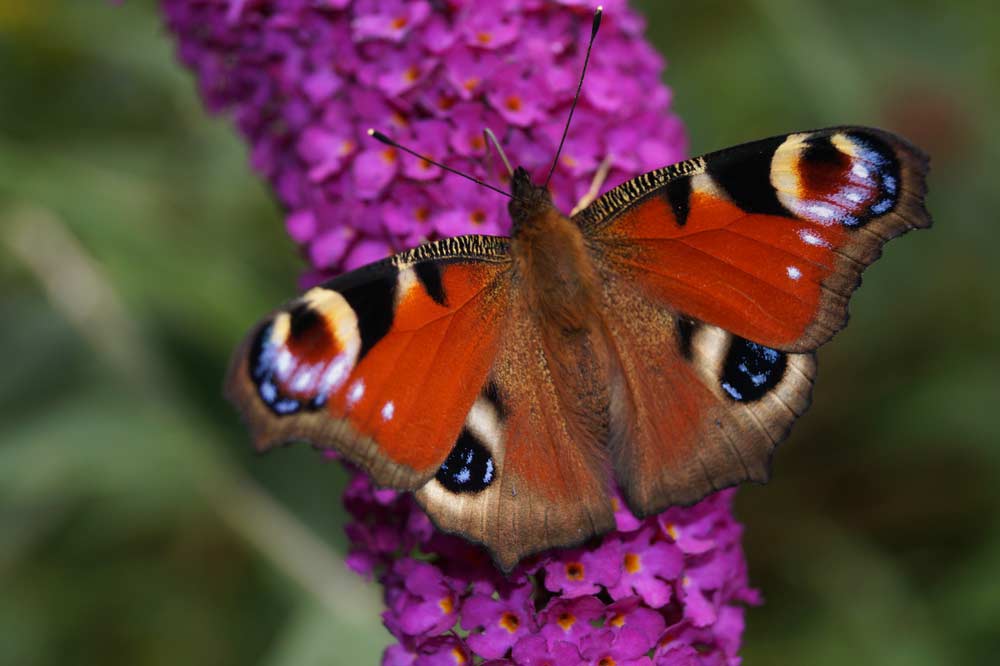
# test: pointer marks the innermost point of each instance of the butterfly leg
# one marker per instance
(595, 186)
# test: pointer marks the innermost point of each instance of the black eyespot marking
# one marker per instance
(429, 274)
(685, 331)
(744, 172)
(751, 370)
(261, 360)
(469, 467)
(373, 303)
(492, 393)
(303, 320)
(678, 195)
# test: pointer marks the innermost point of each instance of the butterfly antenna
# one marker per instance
(490, 137)
(378, 136)
(579, 86)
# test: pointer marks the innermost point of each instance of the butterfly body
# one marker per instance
(551, 264)
(661, 340)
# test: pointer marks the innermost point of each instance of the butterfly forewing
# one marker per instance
(383, 363)
(767, 239)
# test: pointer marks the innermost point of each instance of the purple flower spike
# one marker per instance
(303, 80)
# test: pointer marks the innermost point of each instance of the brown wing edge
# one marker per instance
(504, 556)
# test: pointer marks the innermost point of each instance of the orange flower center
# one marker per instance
(607, 661)
(411, 74)
(399, 23)
(510, 622)
(477, 217)
(513, 103)
(484, 37)
(632, 563)
(566, 621)
(470, 84)
(574, 571)
(447, 605)
(389, 155)
(399, 120)
(458, 655)
(618, 620)
(422, 213)
(671, 529)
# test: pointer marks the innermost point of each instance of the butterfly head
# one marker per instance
(528, 200)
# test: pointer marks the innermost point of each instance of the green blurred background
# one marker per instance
(136, 247)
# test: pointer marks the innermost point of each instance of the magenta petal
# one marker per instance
(374, 169)
(330, 247)
(570, 619)
(536, 651)
(617, 644)
(301, 225)
(321, 85)
(629, 613)
(683, 655)
(397, 655)
(697, 608)
(443, 651)
(575, 573)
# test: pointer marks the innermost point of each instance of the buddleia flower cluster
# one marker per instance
(303, 81)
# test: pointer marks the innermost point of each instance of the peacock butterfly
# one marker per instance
(662, 338)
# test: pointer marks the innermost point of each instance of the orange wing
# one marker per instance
(768, 239)
(383, 363)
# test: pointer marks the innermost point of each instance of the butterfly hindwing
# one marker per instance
(767, 239)
(531, 469)
(694, 408)
(382, 363)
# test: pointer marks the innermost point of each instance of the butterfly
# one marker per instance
(662, 340)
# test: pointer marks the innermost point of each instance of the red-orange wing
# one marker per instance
(382, 364)
(767, 239)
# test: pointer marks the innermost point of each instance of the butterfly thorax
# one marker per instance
(551, 260)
